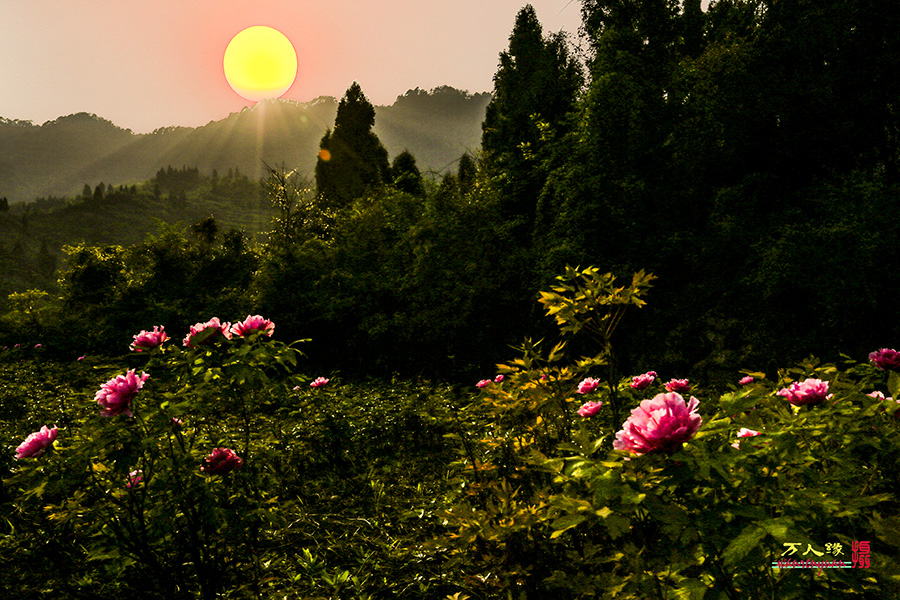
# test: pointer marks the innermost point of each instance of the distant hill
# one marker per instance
(60, 156)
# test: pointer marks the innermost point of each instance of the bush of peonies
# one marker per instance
(562, 497)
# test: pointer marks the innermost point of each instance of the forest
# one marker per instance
(728, 175)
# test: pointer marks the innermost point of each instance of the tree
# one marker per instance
(406, 175)
(351, 159)
(465, 173)
(535, 87)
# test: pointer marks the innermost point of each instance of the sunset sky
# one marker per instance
(145, 65)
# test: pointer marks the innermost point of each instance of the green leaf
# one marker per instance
(748, 539)
(894, 384)
(566, 522)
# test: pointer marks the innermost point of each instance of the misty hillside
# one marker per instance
(60, 156)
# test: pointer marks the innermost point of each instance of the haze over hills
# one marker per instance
(60, 156)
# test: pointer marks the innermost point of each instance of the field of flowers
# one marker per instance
(214, 467)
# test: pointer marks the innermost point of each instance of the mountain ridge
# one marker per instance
(60, 156)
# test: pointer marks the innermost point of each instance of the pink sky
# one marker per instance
(149, 64)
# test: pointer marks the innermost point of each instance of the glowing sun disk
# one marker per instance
(260, 62)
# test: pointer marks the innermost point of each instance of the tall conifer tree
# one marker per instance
(352, 160)
(535, 87)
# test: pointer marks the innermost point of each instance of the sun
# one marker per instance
(260, 62)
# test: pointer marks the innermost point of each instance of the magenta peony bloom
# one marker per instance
(810, 391)
(588, 385)
(207, 333)
(498, 378)
(663, 423)
(221, 461)
(252, 325)
(36, 443)
(319, 382)
(482, 383)
(116, 394)
(134, 478)
(642, 382)
(746, 380)
(589, 409)
(886, 359)
(82, 357)
(678, 385)
(147, 340)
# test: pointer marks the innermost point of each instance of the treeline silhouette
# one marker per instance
(747, 155)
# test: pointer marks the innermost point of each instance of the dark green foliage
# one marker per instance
(352, 161)
(405, 174)
(535, 88)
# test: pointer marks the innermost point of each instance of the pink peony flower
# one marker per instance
(745, 380)
(544, 377)
(36, 443)
(319, 382)
(678, 385)
(482, 383)
(134, 478)
(663, 423)
(589, 409)
(498, 378)
(221, 461)
(588, 385)
(38, 346)
(252, 325)
(82, 357)
(207, 333)
(147, 340)
(744, 432)
(642, 382)
(876, 394)
(116, 394)
(886, 359)
(810, 391)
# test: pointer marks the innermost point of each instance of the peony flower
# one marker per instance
(588, 385)
(134, 478)
(589, 409)
(482, 383)
(82, 357)
(36, 443)
(810, 391)
(886, 359)
(252, 325)
(678, 385)
(221, 461)
(147, 340)
(663, 423)
(744, 432)
(544, 377)
(642, 382)
(876, 394)
(207, 333)
(36, 346)
(498, 378)
(116, 394)
(745, 380)
(319, 382)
